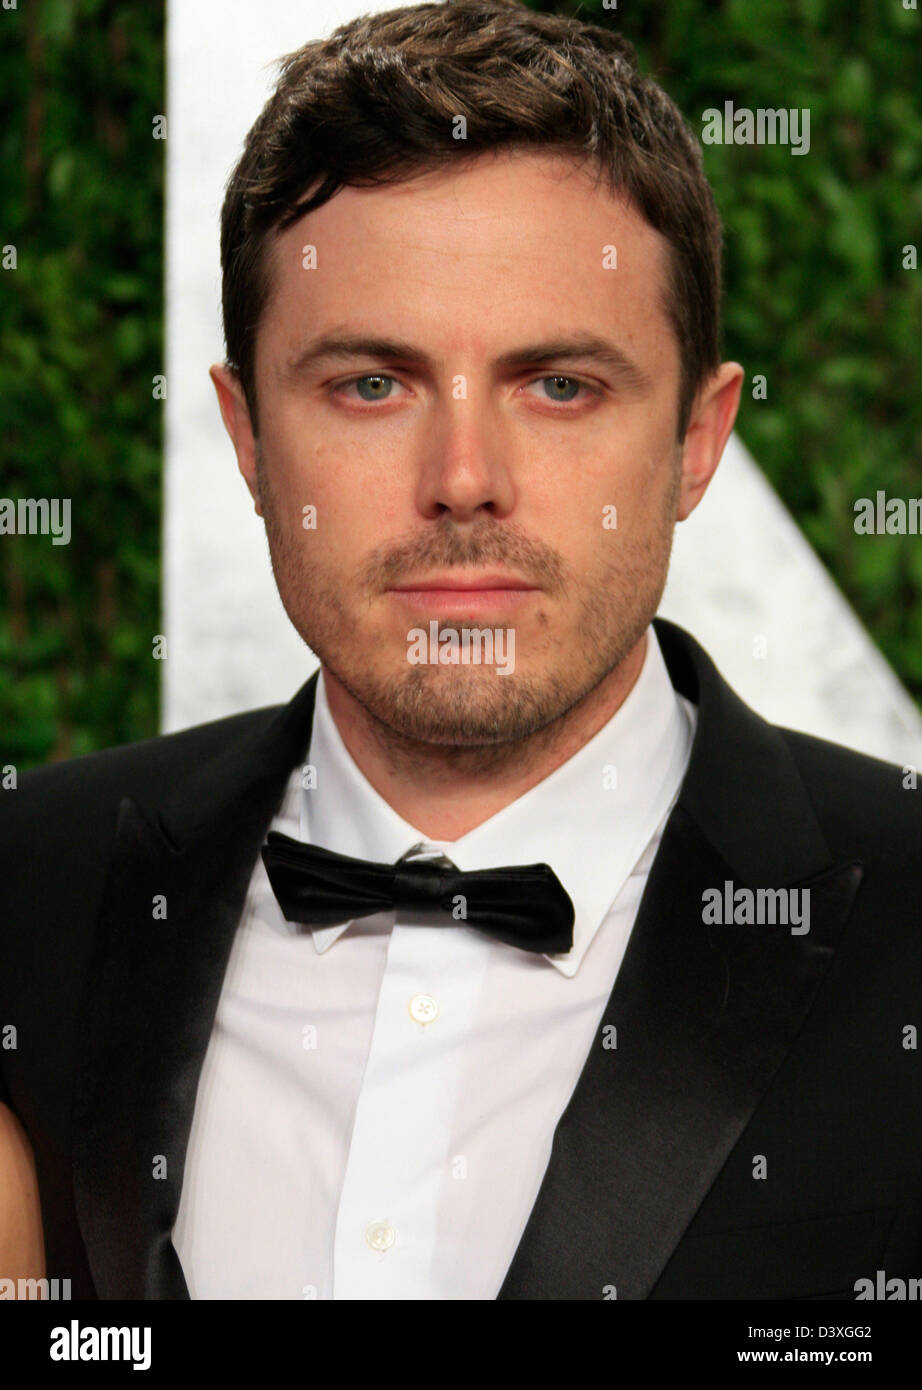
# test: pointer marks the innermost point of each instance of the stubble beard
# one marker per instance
(474, 716)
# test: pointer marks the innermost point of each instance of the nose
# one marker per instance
(467, 468)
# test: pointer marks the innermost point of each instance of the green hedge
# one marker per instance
(817, 300)
(80, 341)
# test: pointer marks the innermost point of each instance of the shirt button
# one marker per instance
(423, 1008)
(380, 1236)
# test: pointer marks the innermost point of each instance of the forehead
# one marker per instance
(509, 237)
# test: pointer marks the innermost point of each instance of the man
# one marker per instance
(559, 973)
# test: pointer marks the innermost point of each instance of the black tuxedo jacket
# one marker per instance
(755, 1133)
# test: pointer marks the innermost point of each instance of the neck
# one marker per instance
(446, 791)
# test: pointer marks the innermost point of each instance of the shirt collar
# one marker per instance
(592, 817)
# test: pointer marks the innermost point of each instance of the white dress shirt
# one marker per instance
(378, 1099)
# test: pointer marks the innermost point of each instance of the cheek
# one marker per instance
(610, 492)
(303, 474)
(623, 522)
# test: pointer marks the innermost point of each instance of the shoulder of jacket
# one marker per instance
(127, 769)
(854, 791)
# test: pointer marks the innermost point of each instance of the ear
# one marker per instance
(237, 422)
(709, 429)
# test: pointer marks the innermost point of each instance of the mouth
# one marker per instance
(473, 593)
(463, 583)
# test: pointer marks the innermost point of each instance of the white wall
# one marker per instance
(741, 568)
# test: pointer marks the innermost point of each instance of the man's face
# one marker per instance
(460, 455)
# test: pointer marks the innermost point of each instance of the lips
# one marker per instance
(464, 584)
(467, 596)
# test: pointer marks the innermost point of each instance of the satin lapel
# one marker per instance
(704, 1014)
(704, 1017)
(152, 994)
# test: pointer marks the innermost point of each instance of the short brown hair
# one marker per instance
(377, 101)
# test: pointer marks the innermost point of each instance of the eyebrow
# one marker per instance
(583, 347)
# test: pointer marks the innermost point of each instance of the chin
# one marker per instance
(464, 708)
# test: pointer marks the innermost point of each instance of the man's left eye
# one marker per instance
(560, 389)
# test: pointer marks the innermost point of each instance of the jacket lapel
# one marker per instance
(704, 1014)
(152, 994)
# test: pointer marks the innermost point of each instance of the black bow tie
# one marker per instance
(524, 905)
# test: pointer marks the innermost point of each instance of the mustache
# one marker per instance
(489, 543)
